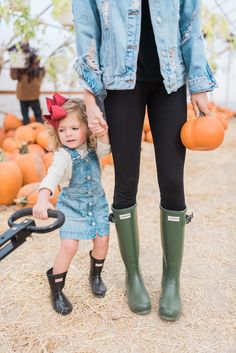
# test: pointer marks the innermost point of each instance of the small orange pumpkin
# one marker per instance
(28, 194)
(204, 133)
(146, 125)
(43, 139)
(149, 137)
(2, 136)
(223, 118)
(10, 133)
(47, 159)
(11, 122)
(34, 147)
(25, 133)
(10, 180)
(30, 164)
(37, 127)
(11, 145)
(108, 159)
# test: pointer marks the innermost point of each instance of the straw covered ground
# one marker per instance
(208, 325)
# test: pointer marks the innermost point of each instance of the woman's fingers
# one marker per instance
(200, 103)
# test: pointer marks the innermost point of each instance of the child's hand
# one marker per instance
(40, 209)
(97, 129)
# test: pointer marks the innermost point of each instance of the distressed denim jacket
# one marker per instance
(107, 39)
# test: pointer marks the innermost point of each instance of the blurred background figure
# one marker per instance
(29, 82)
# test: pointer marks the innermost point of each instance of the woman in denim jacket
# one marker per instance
(134, 54)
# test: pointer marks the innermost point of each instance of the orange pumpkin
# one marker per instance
(202, 134)
(34, 147)
(30, 164)
(146, 125)
(47, 159)
(149, 137)
(25, 133)
(11, 145)
(2, 136)
(108, 159)
(11, 122)
(143, 135)
(10, 180)
(28, 194)
(223, 118)
(43, 139)
(10, 133)
(37, 127)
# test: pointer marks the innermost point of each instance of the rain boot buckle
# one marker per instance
(189, 218)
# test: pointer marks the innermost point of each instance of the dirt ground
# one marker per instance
(208, 325)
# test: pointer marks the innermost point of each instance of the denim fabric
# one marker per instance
(83, 201)
(108, 34)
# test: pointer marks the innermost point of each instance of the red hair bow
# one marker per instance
(56, 111)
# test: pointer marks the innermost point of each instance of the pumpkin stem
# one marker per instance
(24, 148)
(21, 200)
(2, 156)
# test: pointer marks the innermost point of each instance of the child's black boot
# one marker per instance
(97, 286)
(59, 301)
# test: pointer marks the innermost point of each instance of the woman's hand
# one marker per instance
(200, 103)
(97, 129)
(93, 111)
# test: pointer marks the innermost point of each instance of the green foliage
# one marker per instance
(56, 67)
(216, 30)
(60, 7)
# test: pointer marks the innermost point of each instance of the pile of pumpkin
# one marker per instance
(24, 157)
(24, 160)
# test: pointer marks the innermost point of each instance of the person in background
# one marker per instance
(134, 55)
(28, 88)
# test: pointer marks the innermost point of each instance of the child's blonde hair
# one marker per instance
(71, 105)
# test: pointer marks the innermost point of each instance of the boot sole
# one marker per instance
(63, 313)
(98, 295)
(166, 318)
(145, 312)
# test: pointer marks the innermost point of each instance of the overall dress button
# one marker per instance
(93, 224)
(90, 213)
(88, 177)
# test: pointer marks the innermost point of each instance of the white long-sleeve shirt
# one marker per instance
(60, 171)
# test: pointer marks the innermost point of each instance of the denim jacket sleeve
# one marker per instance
(88, 36)
(199, 75)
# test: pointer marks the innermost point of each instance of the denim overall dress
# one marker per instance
(83, 201)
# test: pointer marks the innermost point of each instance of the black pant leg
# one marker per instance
(24, 105)
(167, 113)
(35, 105)
(125, 111)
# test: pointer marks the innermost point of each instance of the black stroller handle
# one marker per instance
(60, 219)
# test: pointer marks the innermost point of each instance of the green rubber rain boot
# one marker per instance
(127, 230)
(172, 238)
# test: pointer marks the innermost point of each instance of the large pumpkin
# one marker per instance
(28, 194)
(202, 134)
(11, 122)
(10, 180)
(26, 133)
(30, 164)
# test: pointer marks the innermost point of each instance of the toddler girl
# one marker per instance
(82, 199)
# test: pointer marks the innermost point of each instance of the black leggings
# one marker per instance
(125, 110)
